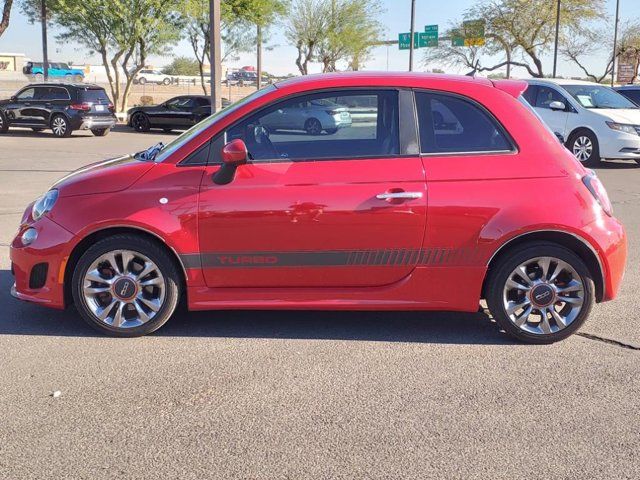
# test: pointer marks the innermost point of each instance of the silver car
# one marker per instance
(312, 117)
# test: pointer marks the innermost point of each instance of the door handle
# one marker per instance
(399, 196)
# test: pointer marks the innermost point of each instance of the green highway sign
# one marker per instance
(404, 40)
(471, 34)
(431, 36)
(428, 38)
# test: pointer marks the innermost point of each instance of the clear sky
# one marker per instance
(21, 37)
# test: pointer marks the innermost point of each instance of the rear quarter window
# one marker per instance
(95, 95)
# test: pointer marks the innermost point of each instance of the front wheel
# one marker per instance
(541, 293)
(140, 122)
(60, 126)
(126, 286)
(584, 146)
(313, 126)
(4, 125)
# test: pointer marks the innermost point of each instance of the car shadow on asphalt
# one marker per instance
(617, 165)
(22, 318)
(122, 128)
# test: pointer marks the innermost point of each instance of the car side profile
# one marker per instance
(439, 200)
(152, 76)
(179, 113)
(61, 107)
(56, 71)
(595, 120)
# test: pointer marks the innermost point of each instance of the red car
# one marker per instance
(443, 191)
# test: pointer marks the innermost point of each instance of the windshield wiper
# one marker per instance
(149, 155)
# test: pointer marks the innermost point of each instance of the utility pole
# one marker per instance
(555, 48)
(214, 57)
(259, 55)
(615, 43)
(45, 55)
(412, 46)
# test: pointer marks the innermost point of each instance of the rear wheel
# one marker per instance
(140, 122)
(78, 78)
(126, 286)
(584, 146)
(4, 125)
(166, 81)
(541, 293)
(142, 80)
(313, 126)
(100, 132)
(60, 126)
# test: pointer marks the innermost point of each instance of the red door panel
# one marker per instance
(312, 224)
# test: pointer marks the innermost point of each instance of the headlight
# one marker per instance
(44, 204)
(623, 127)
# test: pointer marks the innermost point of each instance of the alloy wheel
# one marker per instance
(582, 148)
(543, 295)
(124, 289)
(59, 126)
(314, 127)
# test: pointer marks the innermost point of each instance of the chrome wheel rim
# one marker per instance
(59, 126)
(124, 289)
(314, 127)
(543, 295)
(582, 148)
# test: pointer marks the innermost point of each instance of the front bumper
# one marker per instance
(89, 123)
(52, 247)
(622, 146)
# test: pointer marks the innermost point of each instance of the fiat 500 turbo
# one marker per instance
(440, 191)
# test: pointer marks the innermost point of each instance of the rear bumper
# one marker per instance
(610, 239)
(89, 123)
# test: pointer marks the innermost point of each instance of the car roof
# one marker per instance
(560, 81)
(66, 84)
(627, 87)
(397, 79)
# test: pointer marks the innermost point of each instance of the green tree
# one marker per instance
(306, 28)
(6, 14)
(182, 66)
(123, 32)
(523, 30)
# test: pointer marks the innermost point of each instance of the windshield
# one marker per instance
(180, 140)
(598, 96)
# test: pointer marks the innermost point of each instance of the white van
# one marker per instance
(595, 120)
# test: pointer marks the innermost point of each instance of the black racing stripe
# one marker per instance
(383, 257)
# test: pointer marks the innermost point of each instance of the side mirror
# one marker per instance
(14, 98)
(556, 105)
(234, 154)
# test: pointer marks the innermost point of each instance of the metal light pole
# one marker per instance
(555, 48)
(215, 58)
(45, 55)
(412, 46)
(615, 43)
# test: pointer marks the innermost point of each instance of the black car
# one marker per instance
(632, 92)
(177, 113)
(61, 107)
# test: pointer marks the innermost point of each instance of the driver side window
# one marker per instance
(328, 125)
(26, 94)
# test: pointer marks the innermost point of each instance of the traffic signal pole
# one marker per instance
(413, 26)
(214, 56)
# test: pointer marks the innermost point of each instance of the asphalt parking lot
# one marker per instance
(308, 394)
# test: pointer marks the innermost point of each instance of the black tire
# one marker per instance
(146, 247)
(313, 126)
(331, 131)
(575, 141)
(37, 130)
(506, 264)
(100, 132)
(78, 78)
(142, 81)
(4, 125)
(60, 126)
(140, 122)
(166, 81)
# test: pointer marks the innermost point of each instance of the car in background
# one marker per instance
(312, 117)
(57, 71)
(404, 213)
(595, 120)
(152, 76)
(632, 92)
(60, 107)
(179, 113)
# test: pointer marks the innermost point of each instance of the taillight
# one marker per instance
(84, 107)
(595, 186)
(111, 107)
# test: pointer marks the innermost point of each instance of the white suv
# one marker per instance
(595, 121)
(152, 76)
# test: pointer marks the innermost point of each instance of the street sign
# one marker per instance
(404, 40)
(625, 72)
(472, 34)
(431, 36)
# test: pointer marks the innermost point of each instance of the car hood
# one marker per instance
(621, 115)
(107, 176)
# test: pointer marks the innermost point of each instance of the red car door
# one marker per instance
(342, 209)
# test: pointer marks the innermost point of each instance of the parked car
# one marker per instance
(596, 121)
(632, 92)
(61, 107)
(312, 117)
(176, 113)
(152, 76)
(231, 217)
(57, 71)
